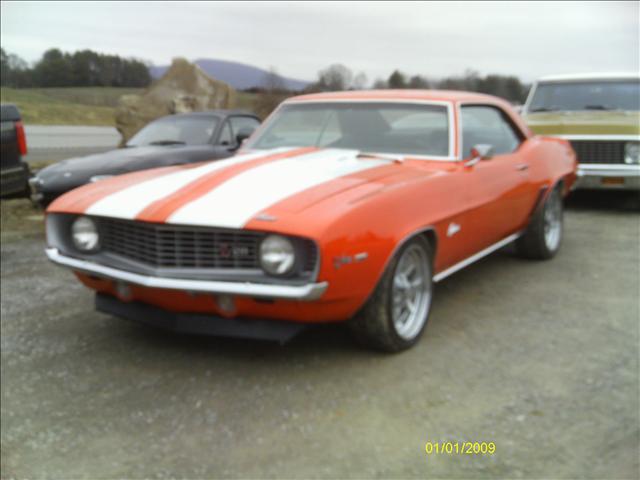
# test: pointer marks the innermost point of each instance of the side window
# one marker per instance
(226, 136)
(238, 123)
(487, 125)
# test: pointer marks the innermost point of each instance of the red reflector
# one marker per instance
(21, 137)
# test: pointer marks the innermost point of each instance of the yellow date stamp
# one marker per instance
(460, 448)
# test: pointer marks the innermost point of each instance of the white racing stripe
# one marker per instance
(130, 201)
(237, 200)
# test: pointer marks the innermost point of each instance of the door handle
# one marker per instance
(521, 167)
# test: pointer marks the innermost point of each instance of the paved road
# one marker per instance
(52, 143)
(539, 357)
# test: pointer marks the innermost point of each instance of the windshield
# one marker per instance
(596, 95)
(176, 130)
(368, 127)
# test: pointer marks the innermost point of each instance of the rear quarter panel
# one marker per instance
(553, 160)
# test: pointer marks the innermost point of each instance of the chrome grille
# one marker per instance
(599, 151)
(171, 246)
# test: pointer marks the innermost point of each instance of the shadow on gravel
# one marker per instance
(612, 201)
(316, 339)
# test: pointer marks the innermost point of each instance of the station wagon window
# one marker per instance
(586, 95)
(487, 125)
(377, 127)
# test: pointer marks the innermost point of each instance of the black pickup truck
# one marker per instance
(14, 171)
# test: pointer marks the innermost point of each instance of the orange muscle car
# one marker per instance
(342, 207)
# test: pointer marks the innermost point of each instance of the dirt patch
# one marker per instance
(20, 218)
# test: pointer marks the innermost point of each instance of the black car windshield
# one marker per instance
(376, 127)
(176, 130)
(592, 95)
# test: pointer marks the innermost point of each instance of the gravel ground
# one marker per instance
(541, 358)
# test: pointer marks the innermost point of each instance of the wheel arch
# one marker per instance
(427, 232)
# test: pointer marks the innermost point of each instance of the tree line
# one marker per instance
(84, 68)
(338, 77)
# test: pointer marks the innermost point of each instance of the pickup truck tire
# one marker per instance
(395, 315)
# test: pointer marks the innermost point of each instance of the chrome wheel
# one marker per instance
(553, 221)
(411, 292)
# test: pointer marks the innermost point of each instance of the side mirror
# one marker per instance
(479, 152)
(243, 134)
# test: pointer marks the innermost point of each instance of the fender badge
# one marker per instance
(359, 257)
(453, 229)
(347, 259)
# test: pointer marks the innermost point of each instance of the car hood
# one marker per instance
(123, 160)
(229, 193)
(584, 123)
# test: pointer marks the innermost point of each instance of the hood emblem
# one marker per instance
(265, 217)
(453, 229)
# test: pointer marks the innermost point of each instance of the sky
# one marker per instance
(434, 39)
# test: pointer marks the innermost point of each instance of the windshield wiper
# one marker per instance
(544, 109)
(380, 156)
(167, 142)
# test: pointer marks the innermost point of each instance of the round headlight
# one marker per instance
(84, 234)
(632, 153)
(277, 255)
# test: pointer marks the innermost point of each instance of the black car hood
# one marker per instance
(79, 170)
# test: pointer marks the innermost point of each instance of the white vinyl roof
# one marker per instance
(591, 76)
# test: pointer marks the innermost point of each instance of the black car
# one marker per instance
(14, 171)
(172, 140)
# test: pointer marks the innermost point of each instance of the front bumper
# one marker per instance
(199, 324)
(608, 176)
(307, 292)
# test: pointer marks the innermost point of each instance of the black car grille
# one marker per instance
(171, 246)
(598, 151)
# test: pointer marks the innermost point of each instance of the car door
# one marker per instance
(500, 191)
(226, 144)
(240, 123)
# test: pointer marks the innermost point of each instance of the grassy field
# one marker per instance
(245, 101)
(66, 106)
(78, 105)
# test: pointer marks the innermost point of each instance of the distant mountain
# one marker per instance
(238, 75)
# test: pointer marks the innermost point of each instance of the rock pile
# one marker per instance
(184, 88)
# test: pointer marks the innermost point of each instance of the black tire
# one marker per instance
(535, 242)
(373, 325)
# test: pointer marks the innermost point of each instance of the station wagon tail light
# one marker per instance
(277, 255)
(632, 153)
(21, 138)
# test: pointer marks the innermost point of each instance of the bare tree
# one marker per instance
(419, 82)
(360, 81)
(380, 84)
(273, 93)
(335, 77)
